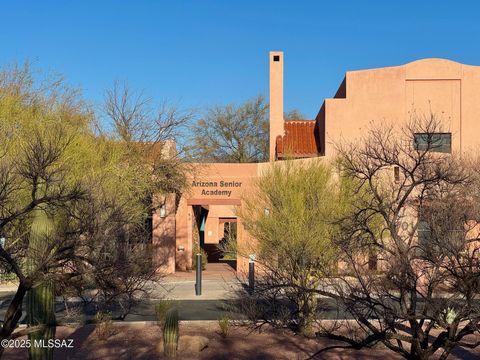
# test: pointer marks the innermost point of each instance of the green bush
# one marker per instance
(225, 325)
(229, 256)
(104, 325)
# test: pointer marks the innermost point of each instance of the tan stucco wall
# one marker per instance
(200, 181)
(164, 233)
(213, 229)
(390, 95)
(385, 96)
(275, 100)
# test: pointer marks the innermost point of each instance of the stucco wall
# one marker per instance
(392, 95)
(218, 187)
(385, 96)
(164, 233)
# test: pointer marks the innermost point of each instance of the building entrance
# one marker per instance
(214, 233)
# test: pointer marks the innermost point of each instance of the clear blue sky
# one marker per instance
(204, 52)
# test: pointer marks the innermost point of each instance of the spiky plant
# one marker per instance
(170, 333)
(40, 299)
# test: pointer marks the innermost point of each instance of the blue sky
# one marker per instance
(201, 53)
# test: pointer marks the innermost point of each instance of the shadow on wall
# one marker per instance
(163, 234)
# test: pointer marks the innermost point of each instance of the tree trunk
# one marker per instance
(14, 313)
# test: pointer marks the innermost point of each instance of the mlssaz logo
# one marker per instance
(53, 343)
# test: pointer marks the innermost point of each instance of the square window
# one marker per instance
(435, 142)
(276, 57)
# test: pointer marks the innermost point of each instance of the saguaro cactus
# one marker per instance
(170, 333)
(40, 299)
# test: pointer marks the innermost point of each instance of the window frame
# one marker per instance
(430, 144)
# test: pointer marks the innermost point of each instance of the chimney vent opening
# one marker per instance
(276, 57)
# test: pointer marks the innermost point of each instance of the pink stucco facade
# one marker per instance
(391, 95)
(386, 96)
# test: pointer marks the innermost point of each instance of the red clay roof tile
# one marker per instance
(298, 141)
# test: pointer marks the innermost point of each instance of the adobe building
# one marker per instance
(206, 211)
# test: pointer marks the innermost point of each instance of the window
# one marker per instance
(436, 142)
(163, 211)
(276, 57)
(424, 233)
(444, 238)
(372, 262)
(396, 173)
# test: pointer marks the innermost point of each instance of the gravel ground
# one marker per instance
(141, 341)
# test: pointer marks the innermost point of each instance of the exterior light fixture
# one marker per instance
(266, 211)
(163, 211)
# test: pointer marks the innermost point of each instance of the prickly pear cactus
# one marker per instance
(40, 299)
(170, 333)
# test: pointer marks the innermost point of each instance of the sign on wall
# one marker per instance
(216, 188)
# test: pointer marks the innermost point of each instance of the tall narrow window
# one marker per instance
(372, 262)
(435, 142)
(424, 233)
(396, 173)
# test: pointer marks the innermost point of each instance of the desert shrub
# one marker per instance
(225, 323)
(73, 314)
(161, 309)
(104, 325)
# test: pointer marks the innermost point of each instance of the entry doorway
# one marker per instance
(214, 232)
(228, 243)
(224, 251)
(200, 214)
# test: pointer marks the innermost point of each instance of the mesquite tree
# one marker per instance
(97, 190)
(288, 215)
(409, 247)
(232, 133)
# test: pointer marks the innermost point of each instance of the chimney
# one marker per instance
(276, 99)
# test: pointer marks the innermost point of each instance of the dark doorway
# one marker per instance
(228, 243)
(200, 213)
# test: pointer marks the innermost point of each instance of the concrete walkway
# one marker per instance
(185, 290)
(219, 282)
(219, 287)
(213, 271)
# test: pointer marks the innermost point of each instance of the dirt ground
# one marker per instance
(141, 342)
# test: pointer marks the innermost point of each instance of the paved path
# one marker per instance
(185, 290)
(219, 286)
(213, 271)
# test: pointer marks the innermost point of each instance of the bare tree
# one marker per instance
(409, 244)
(151, 133)
(294, 114)
(135, 119)
(232, 133)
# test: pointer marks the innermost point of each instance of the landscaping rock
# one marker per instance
(192, 344)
